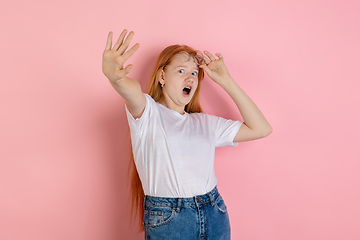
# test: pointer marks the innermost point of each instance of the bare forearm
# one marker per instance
(130, 90)
(251, 114)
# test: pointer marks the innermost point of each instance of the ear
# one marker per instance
(162, 78)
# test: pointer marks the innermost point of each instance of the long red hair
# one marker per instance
(155, 91)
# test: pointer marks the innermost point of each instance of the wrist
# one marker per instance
(227, 83)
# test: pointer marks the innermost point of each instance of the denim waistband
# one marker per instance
(182, 202)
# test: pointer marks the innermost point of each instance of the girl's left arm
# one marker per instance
(255, 124)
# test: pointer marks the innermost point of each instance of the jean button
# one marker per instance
(199, 200)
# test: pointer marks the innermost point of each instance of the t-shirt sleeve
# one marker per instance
(137, 125)
(224, 130)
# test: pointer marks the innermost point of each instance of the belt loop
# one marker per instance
(212, 198)
(178, 204)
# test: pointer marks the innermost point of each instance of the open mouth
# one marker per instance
(187, 90)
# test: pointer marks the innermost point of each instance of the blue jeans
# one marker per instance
(200, 217)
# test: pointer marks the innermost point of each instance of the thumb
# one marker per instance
(128, 68)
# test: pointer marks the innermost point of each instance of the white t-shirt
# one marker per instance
(174, 153)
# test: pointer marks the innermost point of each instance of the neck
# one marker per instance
(173, 106)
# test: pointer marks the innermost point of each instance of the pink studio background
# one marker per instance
(63, 128)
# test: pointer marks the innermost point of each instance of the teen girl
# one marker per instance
(174, 143)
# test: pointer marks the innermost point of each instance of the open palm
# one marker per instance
(114, 58)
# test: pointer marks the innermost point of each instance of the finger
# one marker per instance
(131, 51)
(210, 56)
(126, 43)
(206, 69)
(109, 41)
(120, 40)
(201, 58)
(205, 58)
(219, 56)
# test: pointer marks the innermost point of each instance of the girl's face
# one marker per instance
(180, 80)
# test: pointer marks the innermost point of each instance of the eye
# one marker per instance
(194, 73)
(181, 71)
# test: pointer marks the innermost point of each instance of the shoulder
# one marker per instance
(149, 98)
(150, 102)
(204, 119)
(203, 116)
(213, 121)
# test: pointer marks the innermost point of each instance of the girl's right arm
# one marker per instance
(113, 67)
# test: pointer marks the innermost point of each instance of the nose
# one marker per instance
(189, 79)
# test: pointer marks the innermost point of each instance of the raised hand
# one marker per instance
(114, 58)
(215, 68)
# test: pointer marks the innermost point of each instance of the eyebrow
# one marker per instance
(183, 66)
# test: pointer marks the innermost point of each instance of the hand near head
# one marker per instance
(114, 58)
(215, 68)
